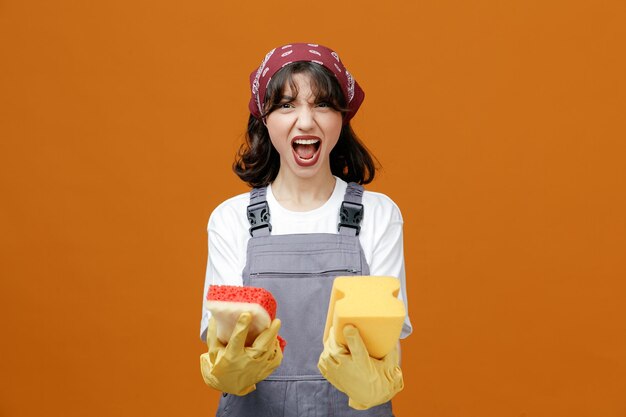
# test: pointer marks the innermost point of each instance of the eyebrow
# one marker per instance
(288, 99)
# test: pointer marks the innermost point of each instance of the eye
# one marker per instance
(323, 104)
(285, 105)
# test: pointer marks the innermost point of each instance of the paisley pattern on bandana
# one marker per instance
(255, 83)
(350, 86)
(309, 52)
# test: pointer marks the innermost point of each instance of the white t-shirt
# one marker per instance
(380, 237)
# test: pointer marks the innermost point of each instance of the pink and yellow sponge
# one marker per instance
(227, 302)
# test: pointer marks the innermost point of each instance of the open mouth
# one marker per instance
(306, 149)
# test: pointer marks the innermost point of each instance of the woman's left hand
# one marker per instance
(365, 380)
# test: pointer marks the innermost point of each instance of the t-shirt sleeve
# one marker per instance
(224, 263)
(388, 254)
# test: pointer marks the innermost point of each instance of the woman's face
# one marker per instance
(304, 131)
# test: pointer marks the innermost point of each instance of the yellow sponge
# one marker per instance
(371, 304)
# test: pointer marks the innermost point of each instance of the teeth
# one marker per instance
(306, 141)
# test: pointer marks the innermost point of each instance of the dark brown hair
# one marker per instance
(257, 162)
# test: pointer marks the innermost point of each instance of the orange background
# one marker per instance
(500, 128)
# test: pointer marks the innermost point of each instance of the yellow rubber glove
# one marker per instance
(234, 368)
(365, 380)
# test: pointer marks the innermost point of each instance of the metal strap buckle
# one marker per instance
(259, 216)
(350, 216)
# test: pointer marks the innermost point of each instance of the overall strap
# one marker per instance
(259, 213)
(351, 212)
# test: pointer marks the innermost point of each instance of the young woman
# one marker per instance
(306, 221)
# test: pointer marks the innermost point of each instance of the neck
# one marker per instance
(303, 194)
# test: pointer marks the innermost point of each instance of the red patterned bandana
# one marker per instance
(285, 55)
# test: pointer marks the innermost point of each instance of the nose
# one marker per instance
(305, 118)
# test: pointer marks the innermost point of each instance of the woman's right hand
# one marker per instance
(235, 368)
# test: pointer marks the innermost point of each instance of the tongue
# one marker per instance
(305, 151)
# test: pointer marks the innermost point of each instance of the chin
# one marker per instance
(306, 173)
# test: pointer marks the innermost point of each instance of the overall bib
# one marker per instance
(299, 270)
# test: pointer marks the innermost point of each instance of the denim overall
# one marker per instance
(299, 270)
